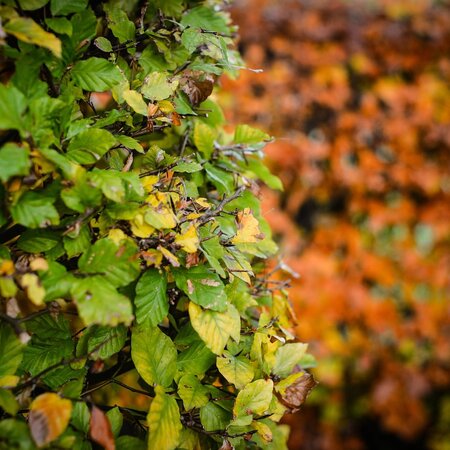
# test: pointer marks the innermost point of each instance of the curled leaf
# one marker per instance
(295, 395)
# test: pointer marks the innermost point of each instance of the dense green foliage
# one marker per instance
(133, 240)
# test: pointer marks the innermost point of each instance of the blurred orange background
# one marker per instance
(358, 95)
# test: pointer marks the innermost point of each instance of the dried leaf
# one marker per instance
(100, 429)
(295, 395)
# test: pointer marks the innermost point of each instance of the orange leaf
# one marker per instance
(100, 429)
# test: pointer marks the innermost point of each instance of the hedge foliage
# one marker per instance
(133, 239)
(362, 91)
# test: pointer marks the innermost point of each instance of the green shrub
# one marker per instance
(133, 242)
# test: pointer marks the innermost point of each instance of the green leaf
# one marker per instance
(56, 281)
(192, 392)
(215, 416)
(135, 100)
(152, 303)
(122, 28)
(196, 359)
(115, 419)
(81, 196)
(287, 357)
(187, 167)
(245, 134)
(154, 355)
(157, 86)
(182, 105)
(14, 160)
(152, 61)
(8, 402)
(65, 7)
(15, 435)
(206, 19)
(170, 7)
(38, 241)
(215, 117)
(130, 443)
(223, 181)
(51, 343)
(212, 248)
(256, 166)
(164, 422)
(12, 106)
(84, 26)
(59, 25)
(27, 30)
(118, 264)
(81, 416)
(202, 286)
(215, 328)
(238, 370)
(105, 341)
(31, 5)
(68, 168)
(90, 145)
(96, 74)
(204, 137)
(78, 244)
(35, 210)
(118, 186)
(10, 350)
(254, 399)
(103, 44)
(98, 302)
(130, 143)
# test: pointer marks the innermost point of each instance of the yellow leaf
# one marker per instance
(152, 257)
(136, 101)
(263, 430)
(248, 228)
(161, 217)
(140, 228)
(164, 422)
(35, 291)
(202, 202)
(6, 267)
(188, 240)
(149, 182)
(49, 417)
(169, 256)
(39, 264)
(193, 216)
(27, 30)
(9, 381)
(166, 106)
(215, 328)
(117, 235)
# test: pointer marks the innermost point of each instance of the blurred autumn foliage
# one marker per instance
(358, 94)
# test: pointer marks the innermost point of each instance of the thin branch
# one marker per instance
(129, 162)
(64, 362)
(216, 211)
(148, 131)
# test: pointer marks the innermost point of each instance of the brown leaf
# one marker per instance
(176, 119)
(100, 429)
(297, 392)
(198, 86)
(226, 445)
